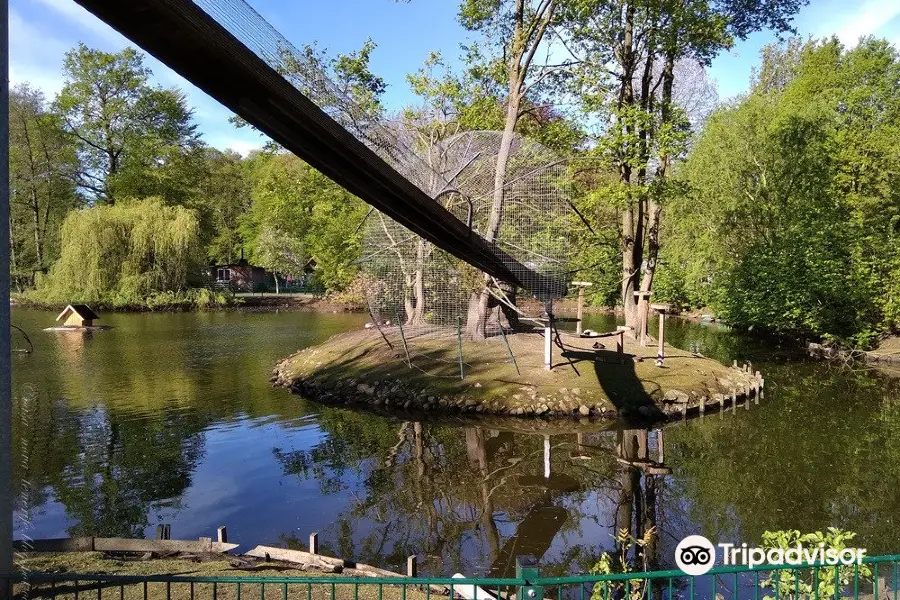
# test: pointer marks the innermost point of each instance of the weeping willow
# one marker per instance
(122, 254)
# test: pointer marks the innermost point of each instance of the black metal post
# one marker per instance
(6, 499)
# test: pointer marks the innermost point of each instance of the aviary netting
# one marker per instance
(408, 278)
(429, 291)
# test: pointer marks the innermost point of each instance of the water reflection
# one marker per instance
(474, 498)
(170, 418)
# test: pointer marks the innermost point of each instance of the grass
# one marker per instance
(323, 586)
(599, 379)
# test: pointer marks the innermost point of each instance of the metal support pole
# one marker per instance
(6, 487)
(528, 571)
(512, 356)
(462, 373)
(403, 337)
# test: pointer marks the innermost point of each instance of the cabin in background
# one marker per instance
(78, 315)
(238, 277)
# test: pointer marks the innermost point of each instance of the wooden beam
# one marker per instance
(88, 544)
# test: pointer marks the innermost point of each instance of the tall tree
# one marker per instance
(42, 164)
(513, 32)
(628, 52)
(221, 197)
(792, 197)
(125, 129)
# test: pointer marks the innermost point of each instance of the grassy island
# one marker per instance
(359, 368)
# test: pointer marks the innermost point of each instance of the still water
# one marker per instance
(170, 418)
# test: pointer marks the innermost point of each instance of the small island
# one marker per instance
(359, 368)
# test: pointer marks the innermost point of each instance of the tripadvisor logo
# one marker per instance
(696, 555)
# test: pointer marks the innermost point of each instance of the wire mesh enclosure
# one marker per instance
(411, 282)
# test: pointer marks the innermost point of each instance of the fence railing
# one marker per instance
(877, 578)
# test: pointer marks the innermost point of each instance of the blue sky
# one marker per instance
(42, 30)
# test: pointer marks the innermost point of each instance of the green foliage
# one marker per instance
(790, 218)
(622, 561)
(124, 255)
(41, 165)
(802, 584)
(297, 213)
(132, 139)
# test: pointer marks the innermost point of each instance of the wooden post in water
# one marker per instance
(546, 457)
(581, 285)
(660, 446)
(314, 542)
(222, 535)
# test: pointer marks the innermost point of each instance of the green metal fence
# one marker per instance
(875, 579)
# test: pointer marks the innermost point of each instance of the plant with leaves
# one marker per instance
(290, 197)
(819, 582)
(120, 255)
(280, 252)
(629, 550)
(790, 217)
(128, 133)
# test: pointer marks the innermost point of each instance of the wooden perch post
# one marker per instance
(643, 297)
(314, 543)
(579, 327)
(662, 309)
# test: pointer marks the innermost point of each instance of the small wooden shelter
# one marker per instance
(78, 315)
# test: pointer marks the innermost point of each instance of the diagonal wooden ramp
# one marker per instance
(191, 42)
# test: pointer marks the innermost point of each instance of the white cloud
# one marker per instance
(866, 18)
(242, 147)
(34, 56)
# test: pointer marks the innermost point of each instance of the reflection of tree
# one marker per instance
(125, 466)
(45, 437)
(821, 453)
(467, 499)
(637, 504)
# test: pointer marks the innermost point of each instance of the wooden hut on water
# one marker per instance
(77, 315)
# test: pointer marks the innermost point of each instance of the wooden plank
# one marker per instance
(136, 545)
(471, 592)
(294, 556)
(88, 544)
(78, 544)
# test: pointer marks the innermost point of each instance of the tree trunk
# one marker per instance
(275, 277)
(12, 256)
(478, 304)
(655, 207)
(630, 234)
(36, 218)
(418, 314)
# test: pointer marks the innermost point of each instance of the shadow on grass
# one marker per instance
(618, 378)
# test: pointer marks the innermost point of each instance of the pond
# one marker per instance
(170, 418)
